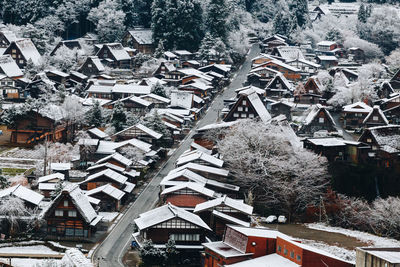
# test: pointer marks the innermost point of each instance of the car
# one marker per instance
(270, 219)
(282, 219)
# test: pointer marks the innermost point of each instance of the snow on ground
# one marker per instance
(374, 240)
(346, 254)
(25, 262)
(108, 216)
(37, 249)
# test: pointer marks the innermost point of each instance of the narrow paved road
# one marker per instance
(115, 245)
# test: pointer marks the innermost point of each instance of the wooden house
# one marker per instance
(308, 68)
(261, 59)
(307, 256)
(158, 101)
(110, 197)
(6, 38)
(248, 105)
(23, 50)
(279, 87)
(288, 53)
(385, 145)
(327, 61)
(199, 158)
(219, 212)
(140, 132)
(198, 88)
(395, 81)
(393, 114)
(70, 44)
(139, 39)
(269, 43)
(96, 133)
(357, 54)
(187, 195)
(261, 76)
(192, 64)
(239, 244)
(375, 118)
(48, 184)
(132, 175)
(116, 159)
(354, 114)
(223, 69)
(92, 66)
(310, 93)
(317, 119)
(8, 88)
(326, 46)
(134, 104)
(57, 76)
(115, 56)
(208, 172)
(290, 72)
(126, 90)
(159, 225)
(35, 126)
(183, 55)
(370, 256)
(70, 215)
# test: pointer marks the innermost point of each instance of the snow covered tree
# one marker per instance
(362, 14)
(158, 20)
(216, 19)
(268, 160)
(132, 118)
(155, 123)
(283, 23)
(64, 59)
(73, 113)
(118, 118)
(371, 51)
(159, 89)
(151, 255)
(109, 20)
(12, 208)
(138, 12)
(4, 182)
(393, 60)
(94, 116)
(132, 153)
(206, 48)
(299, 8)
(334, 35)
(171, 252)
(386, 217)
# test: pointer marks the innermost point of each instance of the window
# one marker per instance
(285, 251)
(375, 118)
(246, 109)
(298, 258)
(65, 203)
(240, 108)
(244, 102)
(279, 249)
(236, 115)
(251, 115)
(243, 115)
(369, 140)
(59, 213)
(185, 237)
(292, 254)
(72, 213)
(321, 120)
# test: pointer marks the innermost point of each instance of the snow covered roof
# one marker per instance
(169, 54)
(9, 67)
(90, 101)
(219, 125)
(53, 112)
(259, 107)
(326, 43)
(9, 35)
(157, 97)
(376, 110)
(107, 189)
(327, 58)
(281, 77)
(79, 75)
(142, 36)
(259, 232)
(391, 254)
(182, 53)
(249, 89)
(47, 186)
(290, 52)
(23, 193)
(200, 148)
(133, 89)
(315, 110)
(145, 147)
(202, 168)
(118, 157)
(225, 201)
(165, 213)
(192, 186)
(143, 128)
(182, 99)
(60, 166)
(387, 137)
(97, 63)
(331, 141)
(80, 201)
(74, 257)
(115, 176)
(271, 260)
(98, 133)
(118, 51)
(230, 219)
(106, 165)
(88, 142)
(359, 107)
(225, 250)
(197, 155)
(28, 50)
(53, 176)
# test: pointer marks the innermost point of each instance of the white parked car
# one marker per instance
(282, 219)
(270, 219)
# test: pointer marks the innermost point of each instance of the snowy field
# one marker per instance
(343, 253)
(37, 249)
(21, 262)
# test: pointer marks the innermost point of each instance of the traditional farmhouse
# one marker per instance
(318, 119)
(23, 50)
(71, 215)
(114, 55)
(354, 114)
(139, 39)
(92, 66)
(6, 38)
(375, 118)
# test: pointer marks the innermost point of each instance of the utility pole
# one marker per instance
(45, 156)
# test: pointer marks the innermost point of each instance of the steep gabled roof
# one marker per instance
(314, 113)
(28, 50)
(115, 176)
(199, 188)
(9, 67)
(360, 107)
(23, 193)
(144, 129)
(376, 111)
(52, 176)
(118, 157)
(142, 36)
(197, 155)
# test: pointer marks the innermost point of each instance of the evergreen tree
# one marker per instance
(118, 118)
(172, 254)
(299, 8)
(158, 20)
(138, 12)
(206, 47)
(159, 89)
(216, 19)
(151, 255)
(94, 116)
(362, 14)
(334, 35)
(283, 24)
(155, 123)
(4, 183)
